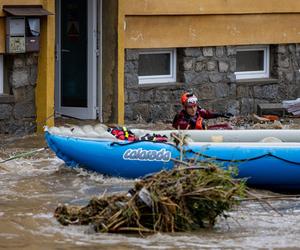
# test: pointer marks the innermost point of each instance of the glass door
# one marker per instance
(76, 58)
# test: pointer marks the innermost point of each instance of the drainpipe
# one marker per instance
(99, 60)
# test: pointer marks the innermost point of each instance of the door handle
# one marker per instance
(65, 50)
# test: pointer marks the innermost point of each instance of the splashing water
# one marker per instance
(31, 189)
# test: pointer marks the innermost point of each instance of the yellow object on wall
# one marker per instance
(45, 82)
(2, 36)
(121, 62)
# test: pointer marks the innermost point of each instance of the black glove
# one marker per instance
(228, 115)
(225, 115)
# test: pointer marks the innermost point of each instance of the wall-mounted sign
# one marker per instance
(16, 45)
(15, 26)
(23, 27)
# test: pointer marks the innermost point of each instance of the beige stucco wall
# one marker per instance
(204, 7)
(177, 23)
(211, 30)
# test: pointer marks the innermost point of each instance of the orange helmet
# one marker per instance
(189, 99)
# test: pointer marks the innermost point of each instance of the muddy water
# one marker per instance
(31, 188)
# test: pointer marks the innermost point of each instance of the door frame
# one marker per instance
(90, 112)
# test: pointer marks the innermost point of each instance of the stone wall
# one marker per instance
(209, 72)
(283, 84)
(17, 107)
(148, 102)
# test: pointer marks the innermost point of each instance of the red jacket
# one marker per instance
(184, 121)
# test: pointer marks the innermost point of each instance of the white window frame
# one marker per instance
(161, 78)
(260, 73)
(1, 75)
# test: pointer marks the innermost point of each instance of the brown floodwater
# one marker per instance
(32, 187)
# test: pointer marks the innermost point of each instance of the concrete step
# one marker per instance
(271, 109)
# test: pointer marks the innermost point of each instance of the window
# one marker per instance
(252, 62)
(1, 75)
(157, 66)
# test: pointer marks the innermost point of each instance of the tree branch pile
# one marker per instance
(180, 200)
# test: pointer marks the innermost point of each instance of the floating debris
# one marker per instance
(292, 106)
(183, 199)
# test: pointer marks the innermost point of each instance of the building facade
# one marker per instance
(127, 60)
(211, 73)
(26, 76)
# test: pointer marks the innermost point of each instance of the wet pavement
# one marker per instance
(32, 187)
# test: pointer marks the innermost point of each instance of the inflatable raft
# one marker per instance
(267, 158)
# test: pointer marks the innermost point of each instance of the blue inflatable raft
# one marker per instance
(267, 158)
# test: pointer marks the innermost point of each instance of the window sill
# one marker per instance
(261, 81)
(160, 85)
(6, 99)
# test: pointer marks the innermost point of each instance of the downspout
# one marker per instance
(99, 60)
(121, 62)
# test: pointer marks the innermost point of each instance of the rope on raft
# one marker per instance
(125, 143)
(24, 154)
(242, 160)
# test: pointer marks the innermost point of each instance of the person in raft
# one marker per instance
(192, 116)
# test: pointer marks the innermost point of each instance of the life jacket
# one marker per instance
(185, 121)
(200, 123)
(122, 133)
(154, 137)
